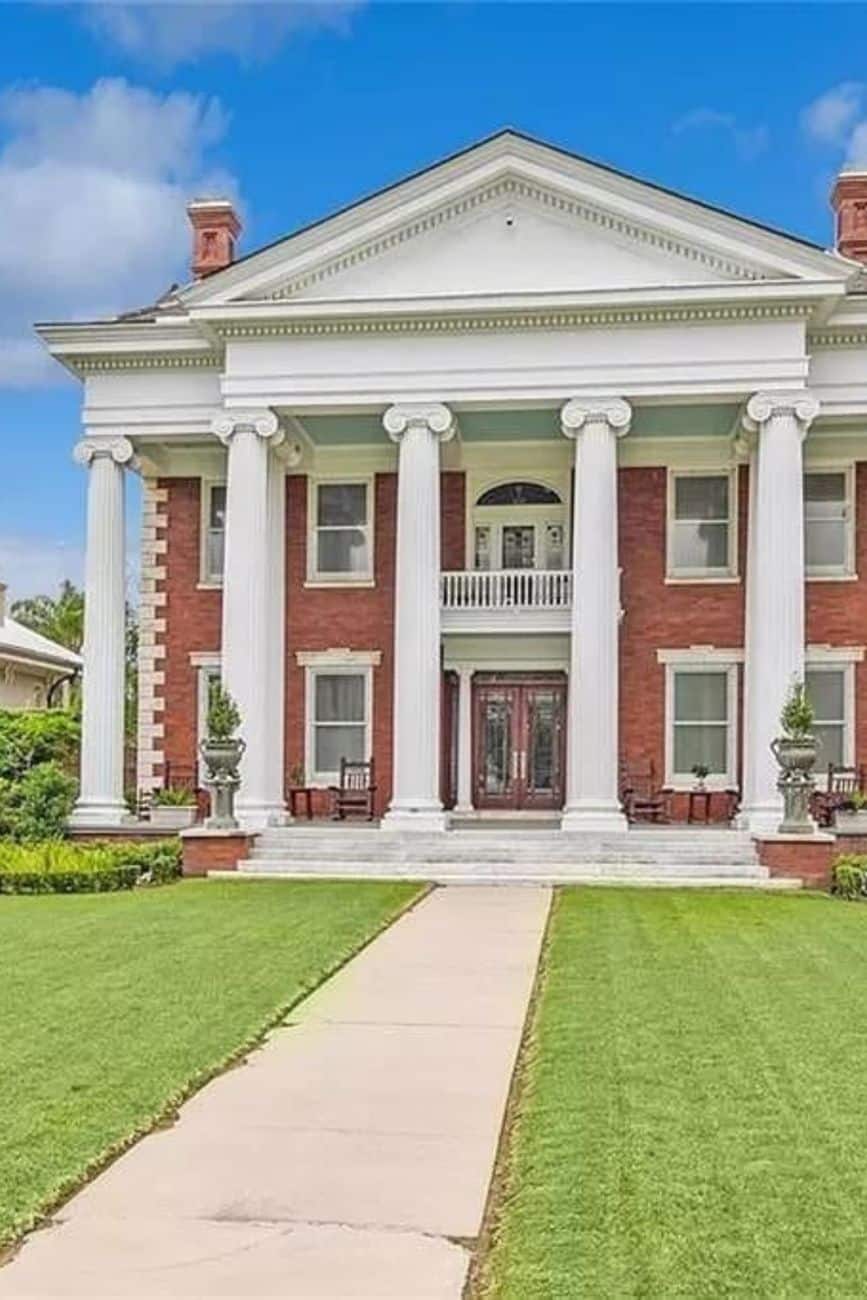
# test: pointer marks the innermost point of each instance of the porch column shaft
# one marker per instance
(418, 431)
(100, 800)
(253, 608)
(465, 741)
(592, 801)
(775, 589)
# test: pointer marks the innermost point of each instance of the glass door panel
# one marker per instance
(519, 744)
(519, 546)
(542, 760)
(496, 753)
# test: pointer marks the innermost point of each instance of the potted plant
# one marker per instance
(700, 771)
(796, 749)
(222, 751)
(173, 808)
(851, 817)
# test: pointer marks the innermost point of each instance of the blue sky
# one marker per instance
(111, 116)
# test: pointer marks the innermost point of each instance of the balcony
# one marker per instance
(506, 600)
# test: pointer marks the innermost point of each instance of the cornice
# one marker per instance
(460, 323)
(97, 363)
(512, 187)
(837, 338)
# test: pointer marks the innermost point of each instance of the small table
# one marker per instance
(304, 792)
(697, 797)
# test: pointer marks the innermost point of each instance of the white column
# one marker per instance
(418, 429)
(253, 607)
(775, 590)
(464, 802)
(100, 800)
(592, 802)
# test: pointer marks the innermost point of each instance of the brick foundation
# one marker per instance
(214, 851)
(800, 858)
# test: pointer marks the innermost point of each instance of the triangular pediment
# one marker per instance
(513, 216)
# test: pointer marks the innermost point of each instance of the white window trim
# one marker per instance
(351, 663)
(730, 572)
(207, 582)
(702, 663)
(833, 572)
(365, 578)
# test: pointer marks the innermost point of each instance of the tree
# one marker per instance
(60, 618)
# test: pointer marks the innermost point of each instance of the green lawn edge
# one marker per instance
(165, 1114)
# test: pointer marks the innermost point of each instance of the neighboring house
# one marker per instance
(511, 473)
(34, 672)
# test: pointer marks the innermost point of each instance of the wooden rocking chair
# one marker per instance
(643, 799)
(842, 783)
(354, 795)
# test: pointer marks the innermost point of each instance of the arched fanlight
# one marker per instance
(519, 494)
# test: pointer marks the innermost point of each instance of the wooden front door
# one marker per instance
(519, 741)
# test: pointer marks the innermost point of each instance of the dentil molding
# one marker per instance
(580, 411)
(435, 417)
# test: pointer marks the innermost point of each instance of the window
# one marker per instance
(519, 494)
(214, 531)
(701, 704)
(701, 532)
(829, 688)
(518, 525)
(342, 541)
(338, 726)
(828, 520)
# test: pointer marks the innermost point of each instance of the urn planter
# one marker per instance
(796, 753)
(222, 759)
(796, 756)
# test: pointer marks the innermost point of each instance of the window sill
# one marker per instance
(706, 579)
(205, 585)
(340, 582)
(831, 577)
(712, 785)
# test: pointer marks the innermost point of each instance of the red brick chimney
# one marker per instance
(849, 201)
(215, 229)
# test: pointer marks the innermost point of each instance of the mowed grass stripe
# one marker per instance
(689, 1123)
(114, 1006)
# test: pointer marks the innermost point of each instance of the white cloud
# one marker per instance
(830, 118)
(92, 220)
(166, 33)
(36, 565)
(749, 141)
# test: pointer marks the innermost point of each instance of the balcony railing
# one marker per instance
(518, 589)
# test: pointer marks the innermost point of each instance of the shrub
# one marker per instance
(63, 868)
(849, 876)
(29, 739)
(797, 716)
(223, 716)
(37, 805)
(173, 796)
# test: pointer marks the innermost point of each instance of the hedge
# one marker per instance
(849, 876)
(55, 867)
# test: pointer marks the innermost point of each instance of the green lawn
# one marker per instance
(691, 1114)
(113, 1006)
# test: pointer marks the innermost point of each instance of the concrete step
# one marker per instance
(698, 877)
(423, 870)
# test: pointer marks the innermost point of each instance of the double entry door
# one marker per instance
(519, 736)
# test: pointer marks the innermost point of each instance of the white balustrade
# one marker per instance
(484, 589)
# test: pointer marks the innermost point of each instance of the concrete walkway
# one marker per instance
(350, 1157)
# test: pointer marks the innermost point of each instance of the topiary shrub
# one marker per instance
(849, 876)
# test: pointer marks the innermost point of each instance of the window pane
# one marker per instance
(341, 550)
(700, 497)
(483, 548)
(339, 697)
(826, 695)
(701, 546)
(824, 496)
(825, 543)
(217, 511)
(342, 503)
(216, 552)
(519, 494)
(700, 697)
(705, 745)
(830, 746)
(333, 743)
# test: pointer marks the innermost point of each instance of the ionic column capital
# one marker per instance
(434, 417)
(801, 406)
(579, 412)
(263, 422)
(119, 449)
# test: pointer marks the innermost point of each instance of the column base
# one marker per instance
(584, 817)
(257, 816)
(415, 818)
(93, 813)
(760, 818)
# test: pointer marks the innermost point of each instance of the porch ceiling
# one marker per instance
(531, 425)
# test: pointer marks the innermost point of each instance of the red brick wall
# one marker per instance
(660, 615)
(453, 519)
(355, 619)
(837, 611)
(192, 620)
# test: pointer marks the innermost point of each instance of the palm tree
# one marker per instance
(60, 618)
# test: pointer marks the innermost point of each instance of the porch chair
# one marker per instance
(643, 799)
(842, 783)
(354, 795)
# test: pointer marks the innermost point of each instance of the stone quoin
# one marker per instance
(510, 477)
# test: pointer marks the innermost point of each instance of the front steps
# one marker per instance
(502, 855)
